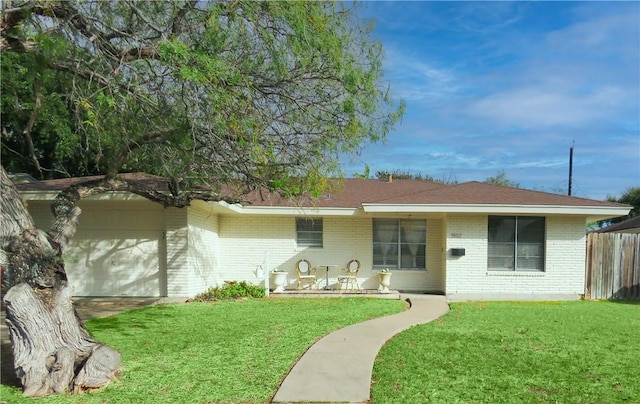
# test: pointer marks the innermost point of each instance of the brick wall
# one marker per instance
(204, 249)
(177, 252)
(245, 243)
(564, 265)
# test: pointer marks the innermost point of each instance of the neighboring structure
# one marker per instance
(628, 226)
(467, 241)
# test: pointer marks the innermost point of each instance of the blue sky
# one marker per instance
(510, 86)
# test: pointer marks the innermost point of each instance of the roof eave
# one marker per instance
(107, 196)
(292, 210)
(595, 212)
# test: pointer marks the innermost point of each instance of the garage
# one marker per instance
(118, 249)
(123, 263)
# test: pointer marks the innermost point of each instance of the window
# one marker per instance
(399, 244)
(516, 243)
(309, 232)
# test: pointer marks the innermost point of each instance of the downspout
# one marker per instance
(266, 273)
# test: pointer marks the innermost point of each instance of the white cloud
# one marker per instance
(550, 105)
(583, 73)
(485, 17)
(418, 81)
(490, 87)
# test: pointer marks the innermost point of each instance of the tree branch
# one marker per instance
(136, 144)
(180, 16)
(65, 11)
(140, 53)
(11, 19)
(26, 133)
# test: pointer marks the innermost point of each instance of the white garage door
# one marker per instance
(118, 249)
(115, 263)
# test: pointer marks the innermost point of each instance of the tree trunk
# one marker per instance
(53, 352)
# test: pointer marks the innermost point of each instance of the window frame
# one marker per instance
(400, 242)
(539, 243)
(314, 233)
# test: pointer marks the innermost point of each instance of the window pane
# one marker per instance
(385, 255)
(530, 263)
(399, 244)
(501, 253)
(413, 256)
(516, 243)
(413, 237)
(530, 243)
(501, 256)
(502, 228)
(385, 231)
(309, 232)
(530, 230)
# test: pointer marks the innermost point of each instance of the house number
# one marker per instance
(456, 235)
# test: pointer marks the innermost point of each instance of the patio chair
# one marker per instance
(349, 275)
(306, 274)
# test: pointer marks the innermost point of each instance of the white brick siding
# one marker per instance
(246, 241)
(177, 246)
(204, 249)
(198, 248)
(564, 264)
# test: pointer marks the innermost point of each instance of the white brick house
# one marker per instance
(471, 240)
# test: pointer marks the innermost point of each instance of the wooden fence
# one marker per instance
(613, 266)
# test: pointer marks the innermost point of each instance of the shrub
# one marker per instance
(230, 290)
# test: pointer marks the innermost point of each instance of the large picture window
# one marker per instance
(399, 244)
(516, 243)
(309, 232)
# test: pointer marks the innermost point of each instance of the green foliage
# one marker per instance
(252, 94)
(54, 139)
(501, 179)
(231, 290)
(630, 197)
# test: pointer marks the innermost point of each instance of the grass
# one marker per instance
(224, 352)
(502, 352)
(498, 352)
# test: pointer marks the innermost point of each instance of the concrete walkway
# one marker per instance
(338, 367)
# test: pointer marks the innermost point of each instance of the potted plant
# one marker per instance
(279, 279)
(385, 280)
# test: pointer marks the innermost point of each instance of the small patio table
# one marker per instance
(326, 268)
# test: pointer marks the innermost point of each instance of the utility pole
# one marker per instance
(570, 166)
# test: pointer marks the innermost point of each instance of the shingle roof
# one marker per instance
(479, 193)
(632, 223)
(62, 183)
(416, 192)
(354, 192)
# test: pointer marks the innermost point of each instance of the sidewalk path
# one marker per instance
(338, 367)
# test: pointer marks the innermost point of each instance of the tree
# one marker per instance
(209, 96)
(630, 197)
(501, 179)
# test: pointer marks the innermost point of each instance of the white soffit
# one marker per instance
(596, 211)
(289, 211)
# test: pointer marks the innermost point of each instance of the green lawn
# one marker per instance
(239, 351)
(230, 351)
(569, 352)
